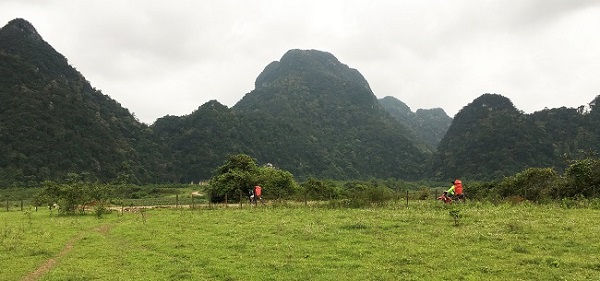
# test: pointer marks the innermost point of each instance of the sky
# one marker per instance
(160, 58)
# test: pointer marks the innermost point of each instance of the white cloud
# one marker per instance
(164, 57)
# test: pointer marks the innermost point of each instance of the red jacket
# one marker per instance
(258, 191)
(458, 187)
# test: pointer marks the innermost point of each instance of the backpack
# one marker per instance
(458, 187)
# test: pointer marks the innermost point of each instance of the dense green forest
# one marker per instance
(490, 139)
(309, 114)
(430, 125)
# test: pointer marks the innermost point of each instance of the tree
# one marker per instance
(583, 178)
(74, 195)
(235, 177)
(532, 184)
(276, 183)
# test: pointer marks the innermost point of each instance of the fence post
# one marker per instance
(7, 205)
(240, 198)
(407, 198)
(305, 200)
(176, 200)
(193, 203)
(21, 205)
(226, 203)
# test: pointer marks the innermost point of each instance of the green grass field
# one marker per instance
(421, 242)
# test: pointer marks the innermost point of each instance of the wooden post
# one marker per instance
(407, 198)
(7, 205)
(176, 200)
(193, 204)
(241, 198)
(226, 204)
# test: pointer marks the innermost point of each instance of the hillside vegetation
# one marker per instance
(309, 114)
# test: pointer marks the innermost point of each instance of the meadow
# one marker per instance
(423, 240)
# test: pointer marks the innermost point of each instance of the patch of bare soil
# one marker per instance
(51, 262)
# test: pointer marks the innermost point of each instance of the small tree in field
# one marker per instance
(240, 173)
(74, 195)
(276, 183)
(235, 176)
(583, 178)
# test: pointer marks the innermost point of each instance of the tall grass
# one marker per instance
(313, 242)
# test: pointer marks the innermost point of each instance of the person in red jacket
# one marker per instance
(258, 194)
(458, 190)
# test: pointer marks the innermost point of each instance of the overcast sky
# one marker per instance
(162, 58)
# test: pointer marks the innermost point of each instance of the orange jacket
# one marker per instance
(458, 187)
(258, 191)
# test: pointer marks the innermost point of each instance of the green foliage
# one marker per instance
(276, 183)
(240, 174)
(490, 139)
(582, 178)
(316, 117)
(75, 195)
(314, 189)
(233, 179)
(309, 114)
(430, 125)
(53, 122)
(456, 215)
(532, 184)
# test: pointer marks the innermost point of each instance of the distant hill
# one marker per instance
(309, 114)
(201, 141)
(53, 122)
(430, 125)
(490, 139)
(314, 116)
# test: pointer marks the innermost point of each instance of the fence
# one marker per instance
(185, 202)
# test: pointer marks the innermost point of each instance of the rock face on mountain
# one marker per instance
(430, 125)
(52, 122)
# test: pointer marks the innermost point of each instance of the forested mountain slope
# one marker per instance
(490, 138)
(53, 122)
(314, 116)
(430, 125)
(309, 114)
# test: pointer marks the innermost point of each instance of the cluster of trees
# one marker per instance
(490, 139)
(581, 179)
(240, 173)
(429, 125)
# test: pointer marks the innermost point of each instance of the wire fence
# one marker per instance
(199, 201)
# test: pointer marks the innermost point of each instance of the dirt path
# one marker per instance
(51, 262)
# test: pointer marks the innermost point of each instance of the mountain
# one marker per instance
(315, 116)
(53, 122)
(489, 139)
(199, 142)
(309, 114)
(430, 125)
